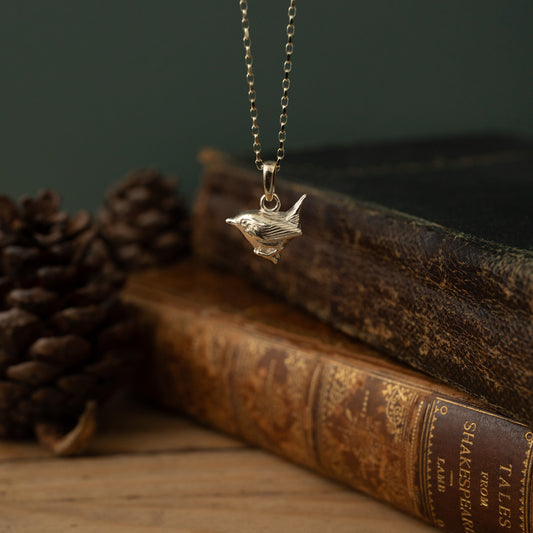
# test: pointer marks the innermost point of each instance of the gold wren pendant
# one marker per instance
(269, 230)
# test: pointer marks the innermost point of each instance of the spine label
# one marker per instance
(475, 469)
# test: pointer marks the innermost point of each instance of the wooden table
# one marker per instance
(152, 471)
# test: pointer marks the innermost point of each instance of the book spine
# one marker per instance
(457, 311)
(425, 451)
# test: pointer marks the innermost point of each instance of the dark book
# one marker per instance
(246, 363)
(423, 249)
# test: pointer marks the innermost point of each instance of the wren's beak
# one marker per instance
(231, 221)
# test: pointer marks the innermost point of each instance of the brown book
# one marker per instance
(236, 358)
(423, 250)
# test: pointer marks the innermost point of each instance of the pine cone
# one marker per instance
(63, 328)
(144, 221)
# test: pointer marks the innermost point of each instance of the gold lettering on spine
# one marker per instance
(465, 465)
(487, 481)
(484, 490)
(504, 498)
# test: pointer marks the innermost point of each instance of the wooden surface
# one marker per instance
(152, 471)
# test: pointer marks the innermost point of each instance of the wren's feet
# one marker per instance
(272, 255)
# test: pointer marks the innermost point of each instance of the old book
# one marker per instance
(236, 358)
(423, 250)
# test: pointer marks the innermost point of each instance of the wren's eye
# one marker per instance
(246, 223)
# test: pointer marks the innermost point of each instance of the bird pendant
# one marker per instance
(269, 231)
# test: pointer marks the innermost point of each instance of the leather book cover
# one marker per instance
(244, 362)
(423, 250)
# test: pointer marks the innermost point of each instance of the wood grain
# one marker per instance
(152, 471)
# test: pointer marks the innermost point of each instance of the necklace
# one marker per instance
(268, 229)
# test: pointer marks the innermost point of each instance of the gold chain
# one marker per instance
(285, 84)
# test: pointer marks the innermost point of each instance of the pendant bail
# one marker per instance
(269, 178)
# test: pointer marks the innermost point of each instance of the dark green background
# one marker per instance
(91, 89)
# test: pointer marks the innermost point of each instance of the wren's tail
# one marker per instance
(293, 214)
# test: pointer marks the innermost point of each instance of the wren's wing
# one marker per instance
(276, 230)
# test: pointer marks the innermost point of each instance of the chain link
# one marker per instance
(285, 84)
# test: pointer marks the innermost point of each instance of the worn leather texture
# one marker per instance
(250, 365)
(454, 304)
